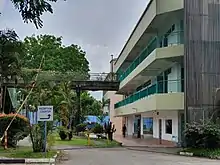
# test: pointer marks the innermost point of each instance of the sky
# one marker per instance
(100, 27)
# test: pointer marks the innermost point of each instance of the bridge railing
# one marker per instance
(58, 77)
(103, 77)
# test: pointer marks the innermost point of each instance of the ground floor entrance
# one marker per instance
(137, 126)
(161, 125)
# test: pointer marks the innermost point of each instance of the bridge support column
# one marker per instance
(78, 113)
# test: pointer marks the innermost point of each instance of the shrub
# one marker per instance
(37, 137)
(18, 130)
(109, 129)
(50, 141)
(98, 129)
(63, 132)
(202, 135)
(81, 127)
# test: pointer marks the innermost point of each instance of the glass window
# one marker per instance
(168, 124)
(147, 125)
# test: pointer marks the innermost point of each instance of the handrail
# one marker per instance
(158, 87)
(152, 45)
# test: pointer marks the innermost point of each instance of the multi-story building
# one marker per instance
(150, 69)
(167, 52)
(110, 98)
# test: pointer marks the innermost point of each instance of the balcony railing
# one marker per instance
(169, 86)
(174, 38)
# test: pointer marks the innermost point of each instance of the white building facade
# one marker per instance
(151, 74)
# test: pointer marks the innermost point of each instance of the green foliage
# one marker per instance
(90, 106)
(51, 139)
(205, 135)
(19, 128)
(10, 51)
(81, 127)
(37, 137)
(203, 152)
(58, 58)
(63, 132)
(98, 129)
(25, 152)
(109, 129)
(32, 10)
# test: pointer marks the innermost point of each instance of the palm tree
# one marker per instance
(105, 102)
(67, 102)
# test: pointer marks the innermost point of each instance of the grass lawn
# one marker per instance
(202, 152)
(76, 141)
(24, 152)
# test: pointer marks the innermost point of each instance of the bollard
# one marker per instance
(88, 139)
(6, 141)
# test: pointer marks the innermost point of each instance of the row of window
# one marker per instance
(148, 126)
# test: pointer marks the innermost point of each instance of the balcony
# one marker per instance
(167, 41)
(157, 14)
(160, 87)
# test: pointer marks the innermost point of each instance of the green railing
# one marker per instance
(159, 87)
(173, 38)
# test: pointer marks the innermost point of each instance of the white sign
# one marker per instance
(45, 113)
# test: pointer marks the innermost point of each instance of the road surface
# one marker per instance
(129, 157)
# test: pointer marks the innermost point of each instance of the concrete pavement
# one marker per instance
(123, 156)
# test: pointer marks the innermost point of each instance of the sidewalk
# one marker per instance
(148, 142)
(150, 145)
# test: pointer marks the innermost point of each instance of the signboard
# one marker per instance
(45, 113)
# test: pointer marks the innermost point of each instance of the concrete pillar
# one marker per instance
(130, 128)
(142, 132)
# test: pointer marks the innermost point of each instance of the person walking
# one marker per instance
(124, 129)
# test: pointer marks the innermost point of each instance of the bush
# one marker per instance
(18, 130)
(109, 129)
(202, 152)
(37, 137)
(199, 135)
(63, 132)
(81, 127)
(51, 139)
(98, 129)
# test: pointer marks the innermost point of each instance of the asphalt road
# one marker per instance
(123, 156)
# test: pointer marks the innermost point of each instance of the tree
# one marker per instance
(90, 106)
(32, 10)
(41, 95)
(58, 58)
(10, 51)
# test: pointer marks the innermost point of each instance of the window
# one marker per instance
(173, 28)
(168, 125)
(148, 125)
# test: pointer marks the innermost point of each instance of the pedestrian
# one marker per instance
(124, 129)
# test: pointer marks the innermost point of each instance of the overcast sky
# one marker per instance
(100, 27)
